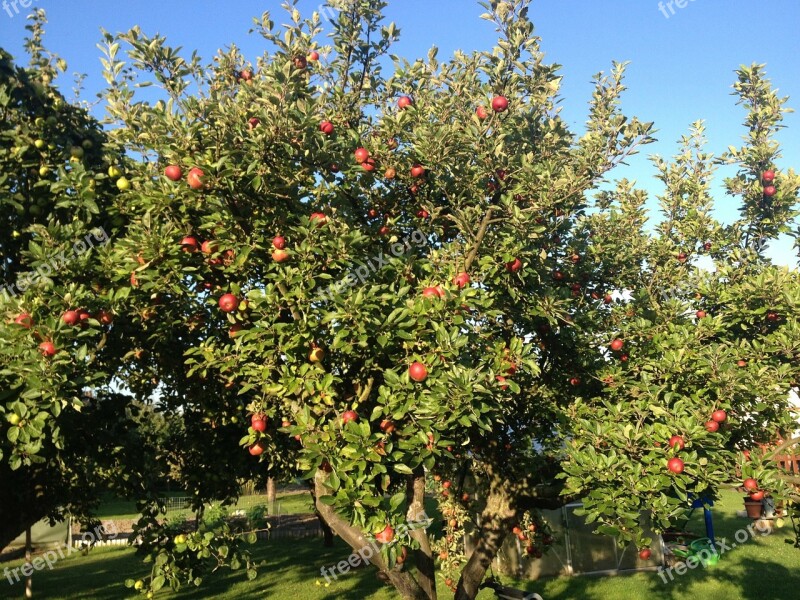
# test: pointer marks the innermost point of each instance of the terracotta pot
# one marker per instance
(754, 508)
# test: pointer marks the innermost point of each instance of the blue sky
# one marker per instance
(682, 60)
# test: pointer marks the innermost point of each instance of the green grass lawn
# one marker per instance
(287, 504)
(763, 568)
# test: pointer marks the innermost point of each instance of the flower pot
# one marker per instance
(753, 508)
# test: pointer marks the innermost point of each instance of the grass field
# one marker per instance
(761, 568)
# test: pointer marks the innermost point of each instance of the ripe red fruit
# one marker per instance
(461, 280)
(348, 416)
(768, 176)
(676, 441)
(385, 536)
(326, 466)
(418, 372)
(279, 255)
(368, 165)
(770, 191)
(253, 122)
(47, 349)
(84, 315)
(404, 102)
(423, 214)
(209, 247)
(574, 381)
(514, 265)
(71, 317)
(384, 230)
(189, 244)
(499, 103)
(387, 426)
(750, 484)
(173, 173)
(256, 449)
(481, 112)
(105, 317)
(707, 246)
(300, 62)
(446, 484)
(773, 316)
(712, 426)
(757, 496)
(361, 154)
(645, 553)
(682, 257)
(234, 329)
(719, 416)
(433, 292)
(741, 363)
(228, 303)
(195, 178)
(326, 127)
(675, 465)
(313, 56)
(417, 170)
(318, 218)
(700, 314)
(24, 320)
(258, 423)
(617, 344)
(246, 75)
(279, 242)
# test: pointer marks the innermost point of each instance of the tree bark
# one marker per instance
(272, 494)
(424, 556)
(497, 518)
(404, 582)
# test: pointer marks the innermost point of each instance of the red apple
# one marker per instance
(361, 155)
(279, 255)
(645, 553)
(675, 465)
(246, 75)
(228, 303)
(368, 165)
(390, 173)
(417, 170)
(676, 441)
(768, 176)
(105, 317)
(617, 344)
(418, 372)
(319, 219)
(514, 265)
(387, 426)
(682, 257)
(385, 536)
(750, 484)
(404, 102)
(499, 103)
(719, 416)
(770, 191)
(433, 292)
(773, 316)
(256, 449)
(326, 127)
(707, 246)
(712, 426)
(757, 496)
(47, 349)
(741, 363)
(423, 214)
(700, 314)
(235, 329)
(195, 178)
(325, 466)
(84, 315)
(481, 112)
(258, 423)
(300, 62)
(574, 381)
(384, 230)
(189, 244)
(461, 280)
(24, 320)
(71, 317)
(173, 173)
(279, 242)
(209, 247)
(348, 416)
(608, 299)
(313, 56)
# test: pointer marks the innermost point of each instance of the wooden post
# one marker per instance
(272, 494)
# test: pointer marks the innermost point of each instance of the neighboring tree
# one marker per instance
(426, 279)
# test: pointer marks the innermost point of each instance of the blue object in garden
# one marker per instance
(706, 504)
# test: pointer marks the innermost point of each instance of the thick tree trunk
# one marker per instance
(404, 582)
(327, 532)
(497, 518)
(23, 502)
(424, 556)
